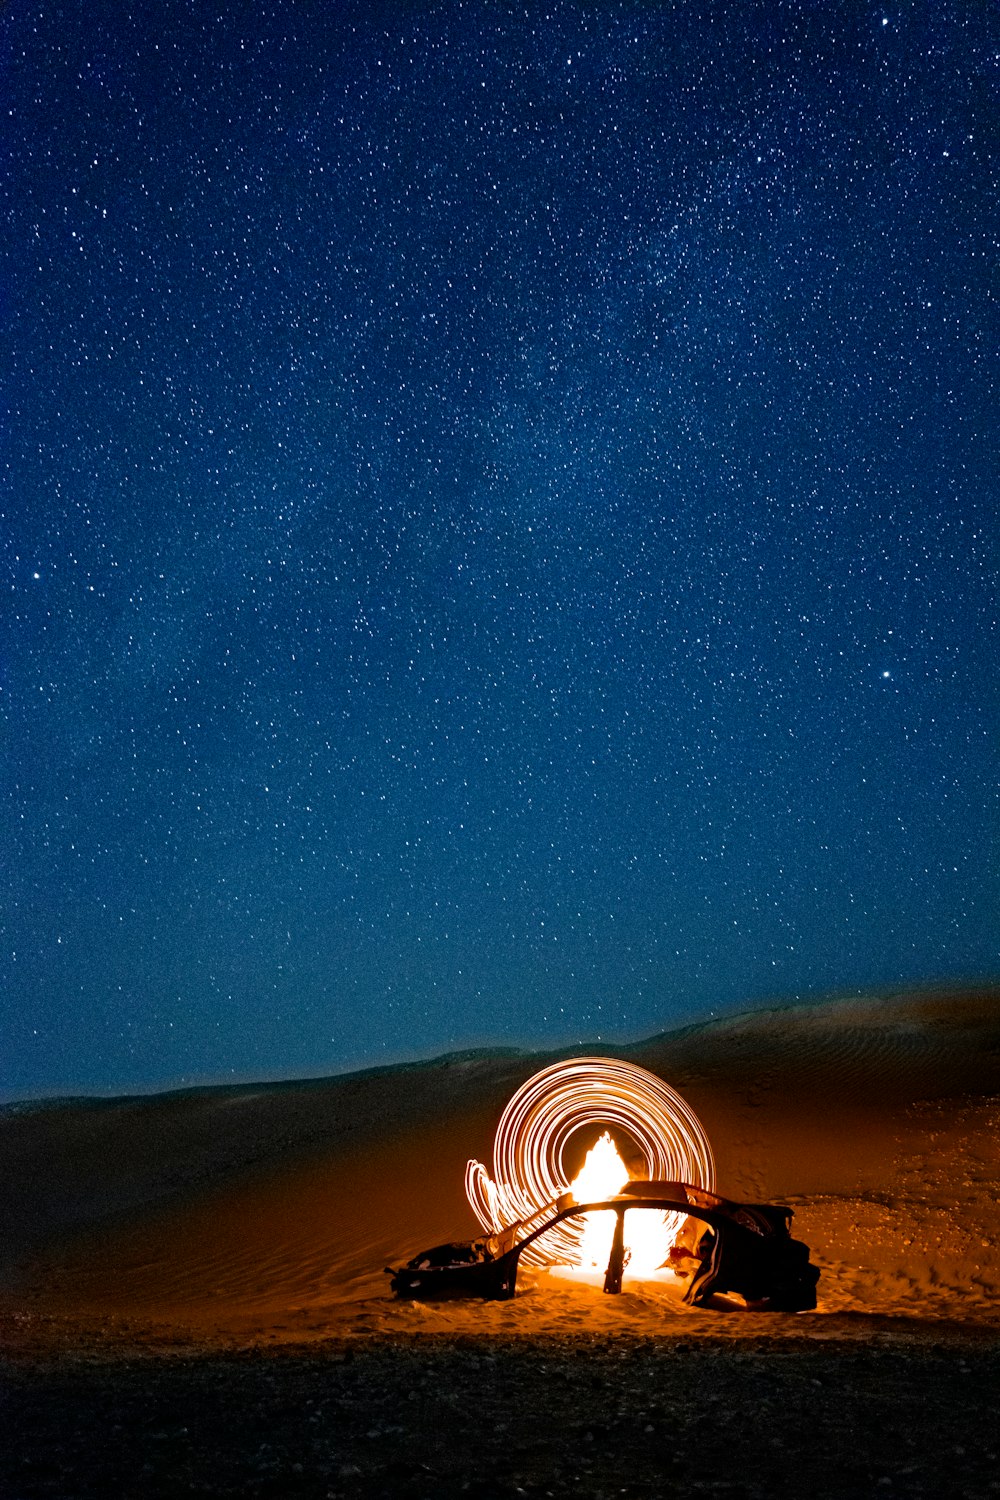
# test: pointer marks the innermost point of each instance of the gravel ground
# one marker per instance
(882, 1415)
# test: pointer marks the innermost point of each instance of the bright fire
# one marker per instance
(546, 1112)
(603, 1175)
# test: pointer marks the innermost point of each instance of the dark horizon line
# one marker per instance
(959, 989)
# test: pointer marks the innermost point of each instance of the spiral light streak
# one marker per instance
(528, 1167)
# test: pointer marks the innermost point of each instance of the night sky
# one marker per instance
(499, 524)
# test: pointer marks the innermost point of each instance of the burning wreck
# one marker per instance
(742, 1248)
(530, 1209)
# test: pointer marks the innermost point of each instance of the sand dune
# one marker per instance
(268, 1212)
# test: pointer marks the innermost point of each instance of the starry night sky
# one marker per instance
(499, 523)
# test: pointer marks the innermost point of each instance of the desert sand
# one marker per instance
(234, 1223)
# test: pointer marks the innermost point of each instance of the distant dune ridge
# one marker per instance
(269, 1211)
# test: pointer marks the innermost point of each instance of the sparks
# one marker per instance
(556, 1104)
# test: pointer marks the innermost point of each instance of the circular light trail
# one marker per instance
(529, 1171)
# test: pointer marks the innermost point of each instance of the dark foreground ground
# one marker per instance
(881, 1414)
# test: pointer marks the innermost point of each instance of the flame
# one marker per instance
(603, 1174)
(647, 1237)
(537, 1125)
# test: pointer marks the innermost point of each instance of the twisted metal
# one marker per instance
(528, 1167)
